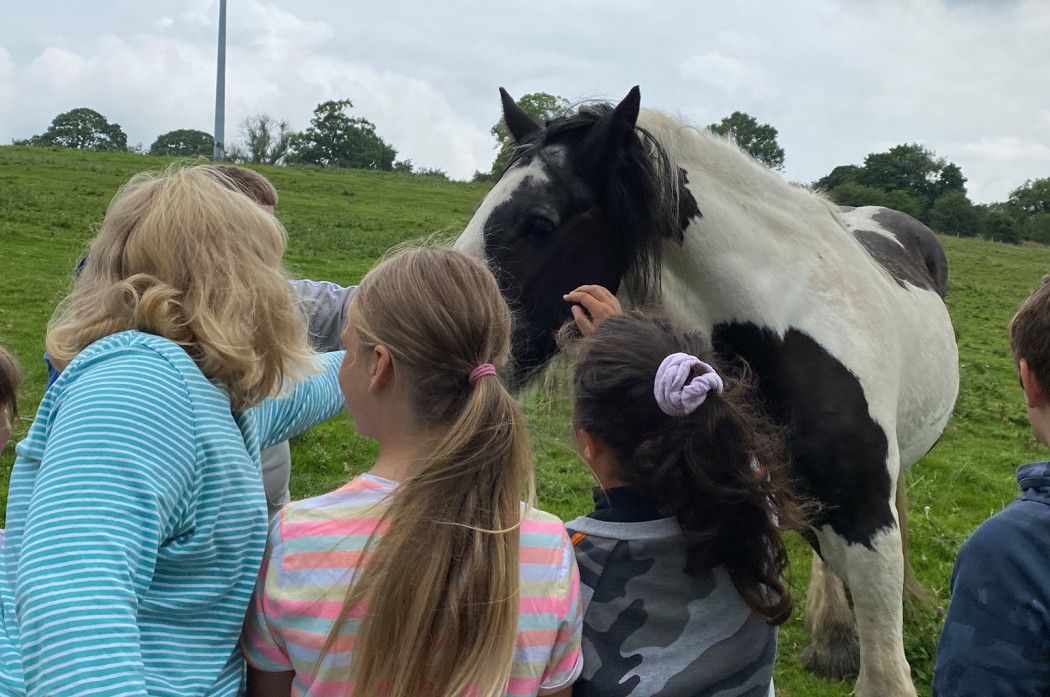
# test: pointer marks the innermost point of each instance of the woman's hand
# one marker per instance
(599, 304)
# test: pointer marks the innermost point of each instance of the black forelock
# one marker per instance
(562, 129)
(640, 189)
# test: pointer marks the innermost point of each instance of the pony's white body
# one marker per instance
(783, 261)
(781, 255)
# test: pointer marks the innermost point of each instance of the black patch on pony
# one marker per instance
(839, 452)
(688, 210)
(904, 268)
(922, 246)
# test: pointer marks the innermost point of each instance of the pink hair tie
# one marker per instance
(677, 391)
(481, 371)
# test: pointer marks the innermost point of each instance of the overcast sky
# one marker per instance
(838, 78)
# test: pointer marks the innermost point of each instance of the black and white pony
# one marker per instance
(838, 313)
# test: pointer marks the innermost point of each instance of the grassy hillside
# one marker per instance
(339, 223)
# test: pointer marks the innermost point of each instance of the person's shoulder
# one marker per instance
(663, 530)
(543, 539)
(1022, 521)
(353, 509)
(136, 389)
(136, 350)
(309, 289)
(145, 365)
(1000, 592)
(1013, 546)
(540, 518)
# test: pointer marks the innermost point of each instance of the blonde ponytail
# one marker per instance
(441, 587)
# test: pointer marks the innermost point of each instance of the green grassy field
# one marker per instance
(339, 223)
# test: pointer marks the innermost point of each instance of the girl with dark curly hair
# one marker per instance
(681, 560)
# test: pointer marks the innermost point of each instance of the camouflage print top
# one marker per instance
(651, 630)
(996, 638)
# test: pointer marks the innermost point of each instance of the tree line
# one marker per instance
(334, 138)
(913, 179)
(908, 177)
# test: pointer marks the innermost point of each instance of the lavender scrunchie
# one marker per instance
(677, 397)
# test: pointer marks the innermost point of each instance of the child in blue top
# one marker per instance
(136, 517)
(996, 638)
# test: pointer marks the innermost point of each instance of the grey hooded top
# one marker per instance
(650, 629)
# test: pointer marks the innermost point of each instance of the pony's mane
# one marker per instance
(698, 149)
(641, 191)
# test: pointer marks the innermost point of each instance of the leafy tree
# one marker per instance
(760, 140)
(266, 140)
(1030, 199)
(404, 166)
(1037, 228)
(336, 139)
(853, 194)
(913, 169)
(843, 174)
(542, 107)
(904, 202)
(953, 214)
(84, 129)
(1001, 227)
(950, 179)
(185, 142)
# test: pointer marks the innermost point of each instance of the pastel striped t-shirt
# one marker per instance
(316, 545)
(136, 524)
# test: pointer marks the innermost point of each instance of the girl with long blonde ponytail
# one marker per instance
(427, 575)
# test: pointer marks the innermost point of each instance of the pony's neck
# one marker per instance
(755, 241)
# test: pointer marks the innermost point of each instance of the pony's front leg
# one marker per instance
(875, 576)
(833, 651)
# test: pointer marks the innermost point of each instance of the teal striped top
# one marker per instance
(136, 523)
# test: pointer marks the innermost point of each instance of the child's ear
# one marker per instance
(587, 446)
(1034, 394)
(382, 373)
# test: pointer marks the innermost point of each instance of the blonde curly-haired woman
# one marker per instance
(136, 518)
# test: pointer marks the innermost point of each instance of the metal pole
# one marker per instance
(219, 151)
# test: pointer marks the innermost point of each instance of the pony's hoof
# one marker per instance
(837, 657)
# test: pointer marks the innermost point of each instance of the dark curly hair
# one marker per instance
(10, 381)
(720, 471)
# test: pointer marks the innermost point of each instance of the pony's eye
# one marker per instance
(538, 229)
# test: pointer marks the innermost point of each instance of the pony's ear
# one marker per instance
(626, 112)
(613, 130)
(520, 124)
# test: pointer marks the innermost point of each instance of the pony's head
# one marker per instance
(586, 198)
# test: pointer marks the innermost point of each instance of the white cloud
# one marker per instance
(837, 78)
(727, 73)
(1007, 149)
(151, 83)
(1010, 159)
